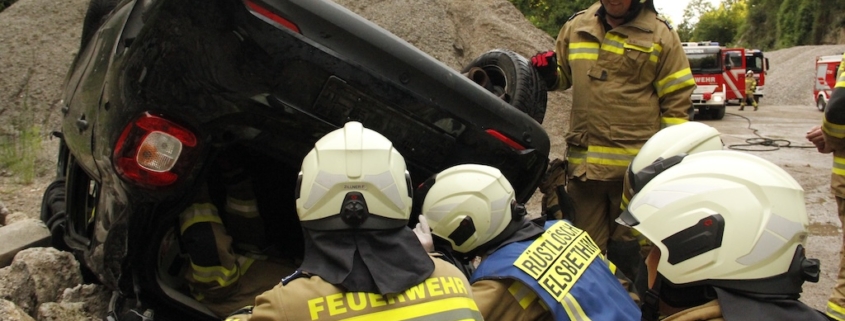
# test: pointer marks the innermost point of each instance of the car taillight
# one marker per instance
(505, 139)
(270, 16)
(150, 149)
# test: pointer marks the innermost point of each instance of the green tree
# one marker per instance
(721, 24)
(550, 15)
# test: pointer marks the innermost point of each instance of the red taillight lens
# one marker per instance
(270, 16)
(505, 139)
(150, 150)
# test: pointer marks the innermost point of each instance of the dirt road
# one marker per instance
(788, 125)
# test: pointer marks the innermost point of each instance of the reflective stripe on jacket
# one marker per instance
(834, 132)
(626, 83)
(565, 270)
(445, 295)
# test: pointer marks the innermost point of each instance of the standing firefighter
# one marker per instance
(629, 78)
(750, 88)
(830, 137)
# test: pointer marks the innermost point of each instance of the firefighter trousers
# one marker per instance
(836, 302)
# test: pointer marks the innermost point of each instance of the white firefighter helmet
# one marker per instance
(687, 138)
(724, 218)
(468, 205)
(749, 73)
(353, 178)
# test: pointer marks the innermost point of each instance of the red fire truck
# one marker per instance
(719, 74)
(827, 72)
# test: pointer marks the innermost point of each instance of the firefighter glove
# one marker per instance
(546, 65)
(423, 233)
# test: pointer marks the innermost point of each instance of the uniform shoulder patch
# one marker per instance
(296, 274)
(664, 21)
(576, 14)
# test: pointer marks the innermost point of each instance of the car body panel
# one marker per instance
(235, 76)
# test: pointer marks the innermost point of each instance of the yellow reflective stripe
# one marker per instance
(640, 237)
(839, 166)
(613, 44)
(834, 311)
(583, 51)
(207, 274)
(245, 208)
(672, 121)
(655, 55)
(523, 294)
(610, 265)
(199, 213)
(423, 309)
(832, 129)
(611, 156)
(624, 204)
(600, 155)
(573, 309)
(674, 82)
(841, 81)
(576, 155)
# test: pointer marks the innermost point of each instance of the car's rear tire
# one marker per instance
(511, 77)
(821, 105)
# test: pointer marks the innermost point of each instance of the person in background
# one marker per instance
(728, 230)
(830, 138)
(629, 78)
(527, 271)
(228, 258)
(362, 261)
(750, 88)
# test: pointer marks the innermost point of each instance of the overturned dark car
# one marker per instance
(162, 88)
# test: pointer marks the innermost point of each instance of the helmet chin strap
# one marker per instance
(651, 302)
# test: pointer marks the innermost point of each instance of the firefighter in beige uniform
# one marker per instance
(830, 137)
(362, 262)
(229, 260)
(629, 78)
(729, 230)
(750, 88)
(527, 271)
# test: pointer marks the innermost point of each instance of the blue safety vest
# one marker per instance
(562, 268)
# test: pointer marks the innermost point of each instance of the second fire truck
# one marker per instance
(719, 74)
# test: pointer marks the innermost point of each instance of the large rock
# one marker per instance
(38, 275)
(10, 311)
(21, 235)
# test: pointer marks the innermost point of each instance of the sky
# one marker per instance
(674, 9)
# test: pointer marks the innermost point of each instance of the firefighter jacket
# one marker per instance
(833, 128)
(627, 83)
(445, 295)
(750, 86)
(561, 275)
